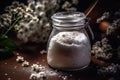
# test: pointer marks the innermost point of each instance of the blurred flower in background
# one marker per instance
(108, 49)
(32, 22)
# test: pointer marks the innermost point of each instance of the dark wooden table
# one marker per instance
(12, 70)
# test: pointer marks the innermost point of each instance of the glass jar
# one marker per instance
(69, 44)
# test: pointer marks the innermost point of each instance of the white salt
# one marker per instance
(69, 50)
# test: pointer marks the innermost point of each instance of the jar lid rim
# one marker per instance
(68, 15)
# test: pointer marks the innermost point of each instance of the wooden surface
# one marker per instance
(12, 70)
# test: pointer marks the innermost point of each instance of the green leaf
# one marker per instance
(5, 50)
(5, 42)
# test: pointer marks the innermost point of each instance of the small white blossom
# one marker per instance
(37, 68)
(34, 76)
(111, 69)
(105, 16)
(25, 64)
(42, 14)
(35, 19)
(101, 49)
(31, 4)
(28, 9)
(20, 59)
(38, 76)
(75, 2)
(28, 16)
(42, 74)
(39, 7)
(66, 5)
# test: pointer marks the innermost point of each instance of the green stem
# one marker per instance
(12, 26)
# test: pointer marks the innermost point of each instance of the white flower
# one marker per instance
(42, 75)
(25, 64)
(15, 3)
(5, 23)
(72, 9)
(28, 16)
(66, 5)
(37, 68)
(1, 25)
(104, 41)
(34, 76)
(39, 7)
(75, 2)
(28, 9)
(101, 49)
(38, 76)
(42, 14)
(31, 4)
(20, 59)
(105, 16)
(35, 19)
(98, 43)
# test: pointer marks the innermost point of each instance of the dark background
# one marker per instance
(101, 7)
(83, 4)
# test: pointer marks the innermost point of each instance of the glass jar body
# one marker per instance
(69, 48)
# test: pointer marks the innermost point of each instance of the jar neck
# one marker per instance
(69, 28)
(65, 20)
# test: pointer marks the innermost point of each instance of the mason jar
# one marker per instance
(69, 45)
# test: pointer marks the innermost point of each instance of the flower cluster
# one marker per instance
(114, 27)
(104, 16)
(101, 49)
(36, 26)
(32, 21)
(14, 14)
(109, 70)
(39, 74)
(68, 5)
(37, 68)
(20, 59)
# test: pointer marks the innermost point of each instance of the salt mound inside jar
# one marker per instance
(69, 50)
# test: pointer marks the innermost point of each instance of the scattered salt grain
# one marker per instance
(43, 60)
(37, 62)
(9, 78)
(17, 54)
(6, 74)
(5, 62)
(15, 67)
